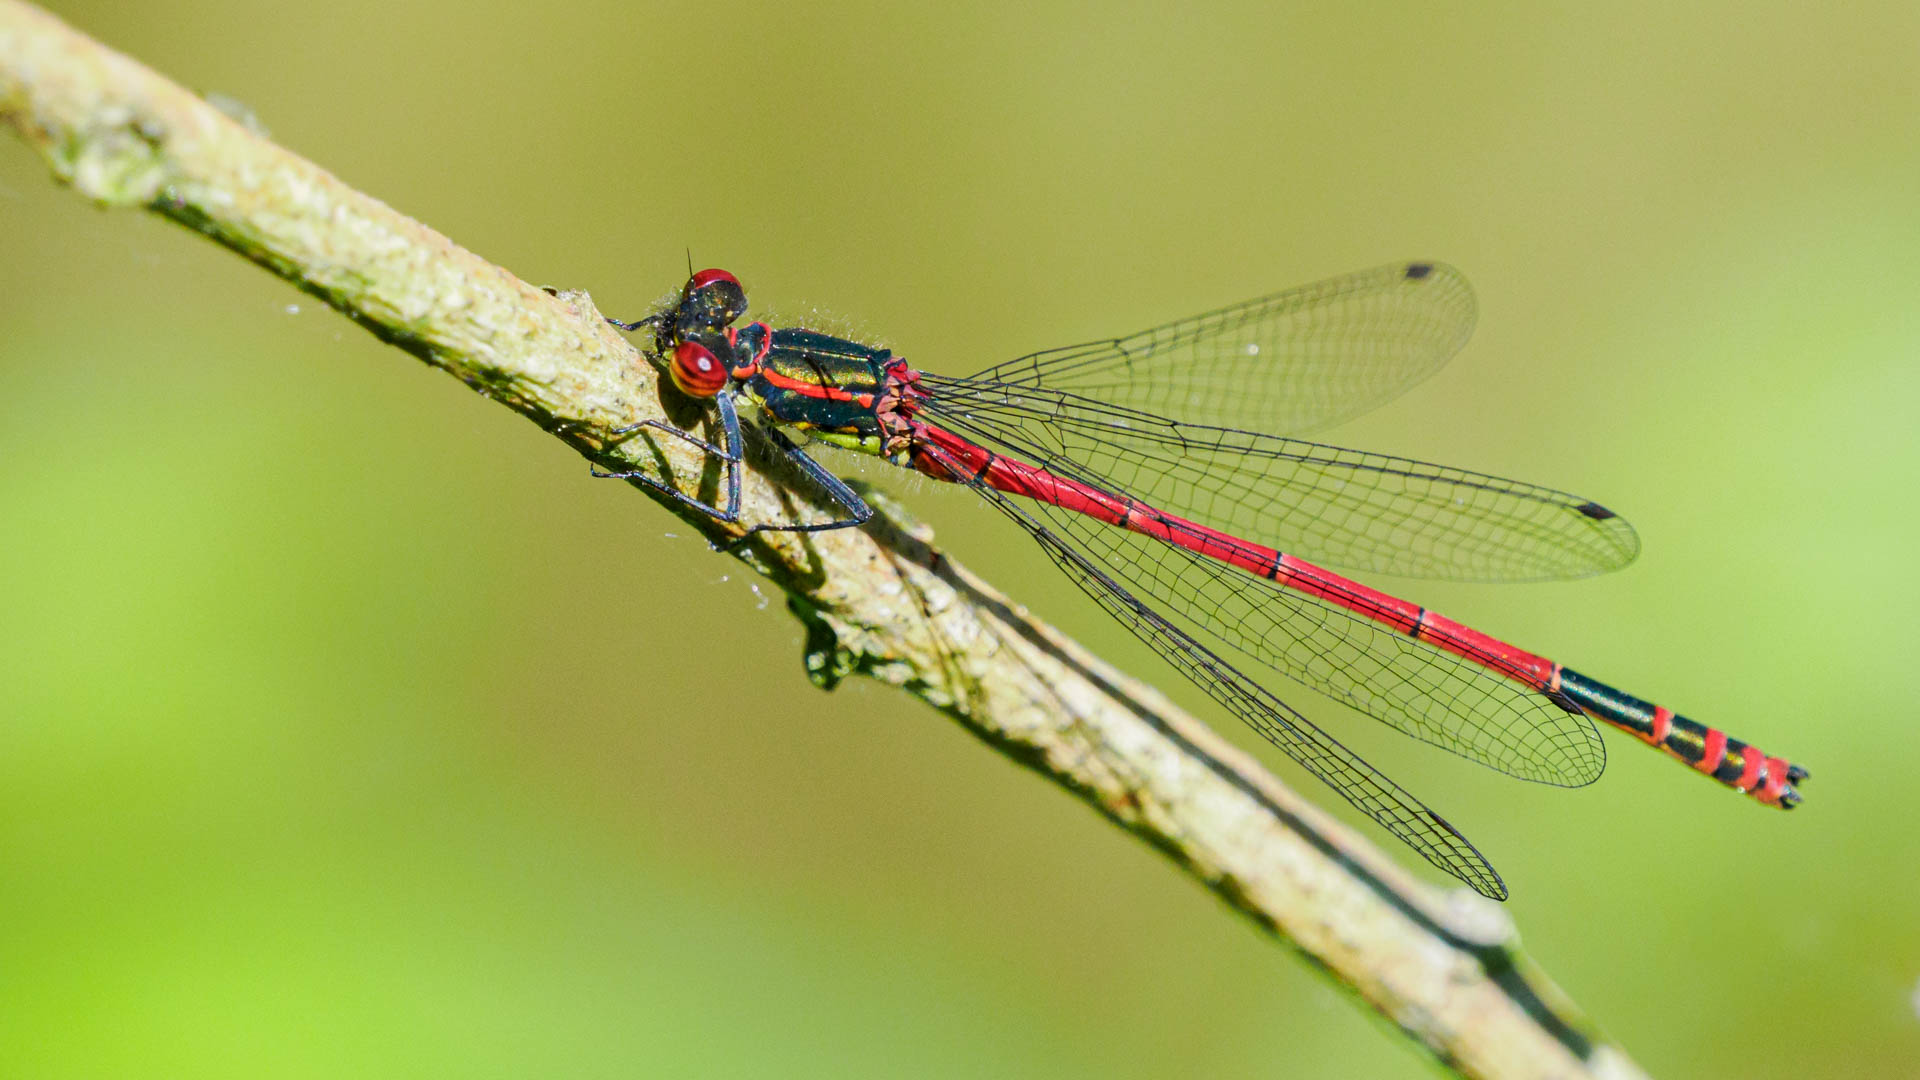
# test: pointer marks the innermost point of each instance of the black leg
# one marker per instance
(844, 497)
(849, 500)
(651, 320)
(730, 454)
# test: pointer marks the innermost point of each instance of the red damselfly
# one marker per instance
(1147, 514)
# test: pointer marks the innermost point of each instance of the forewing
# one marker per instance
(1287, 363)
(1345, 508)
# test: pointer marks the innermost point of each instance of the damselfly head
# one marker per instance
(711, 301)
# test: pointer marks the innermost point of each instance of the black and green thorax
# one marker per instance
(861, 397)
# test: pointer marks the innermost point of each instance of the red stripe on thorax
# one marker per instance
(814, 389)
(750, 367)
(1019, 478)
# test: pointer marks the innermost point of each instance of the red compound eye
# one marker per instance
(707, 277)
(713, 298)
(696, 370)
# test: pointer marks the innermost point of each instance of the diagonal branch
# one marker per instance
(882, 601)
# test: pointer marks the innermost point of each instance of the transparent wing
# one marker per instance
(1464, 704)
(1287, 363)
(1359, 783)
(1346, 508)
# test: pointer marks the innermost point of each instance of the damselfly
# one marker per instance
(1147, 514)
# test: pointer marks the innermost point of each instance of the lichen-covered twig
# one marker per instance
(880, 601)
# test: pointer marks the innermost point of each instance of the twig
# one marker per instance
(883, 601)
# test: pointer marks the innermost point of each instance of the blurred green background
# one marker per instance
(350, 728)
